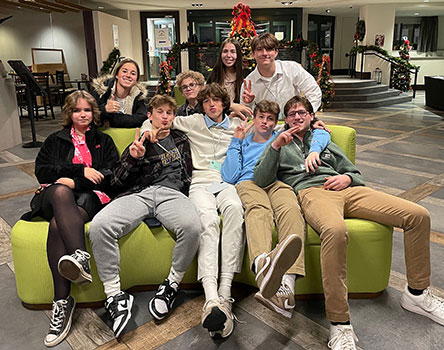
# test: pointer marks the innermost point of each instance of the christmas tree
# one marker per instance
(164, 85)
(242, 29)
(401, 73)
(325, 83)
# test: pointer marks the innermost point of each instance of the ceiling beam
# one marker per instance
(55, 5)
(39, 6)
(21, 6)
(71, 4)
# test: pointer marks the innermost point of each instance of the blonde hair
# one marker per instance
(160, 100)
(196, 76)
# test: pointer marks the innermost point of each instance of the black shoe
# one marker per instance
(163, 302)
(76, 267)
(119, 311)
(61, 320)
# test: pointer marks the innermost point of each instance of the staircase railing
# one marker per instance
(352, 64)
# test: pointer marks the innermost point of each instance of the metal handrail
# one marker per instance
(390, 60)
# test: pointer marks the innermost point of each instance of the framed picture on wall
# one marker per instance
(379, 40)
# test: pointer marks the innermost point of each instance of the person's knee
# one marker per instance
(334, 234)
(96, 227)
(234, 210)
(418, 216)
(60, 193)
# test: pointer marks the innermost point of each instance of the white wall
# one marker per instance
(29, 29)
(344, 32)
(103, 28)
(134, 17)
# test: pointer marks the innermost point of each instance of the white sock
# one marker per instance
(112, 287)
(289, 280)
(209, 284)
(175, 277)
(226, 278)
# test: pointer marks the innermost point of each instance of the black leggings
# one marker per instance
(66, 230)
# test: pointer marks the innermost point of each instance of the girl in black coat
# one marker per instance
(120, 97)
(74, 168)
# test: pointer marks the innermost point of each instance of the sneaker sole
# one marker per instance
(215, 320)
(128, 316)
(62, 335)
(417, 310)
(73, 271)
(268, 304)
(283, 260)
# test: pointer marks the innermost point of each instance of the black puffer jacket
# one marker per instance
(54, 159)
(103, 87)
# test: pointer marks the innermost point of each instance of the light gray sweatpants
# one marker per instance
(172, 208)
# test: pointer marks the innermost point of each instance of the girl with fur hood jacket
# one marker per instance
(120, 97)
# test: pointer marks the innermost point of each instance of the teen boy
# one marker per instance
(276, 80)
(336, 190)
(156, 177)
(210, 134)
(263, 205)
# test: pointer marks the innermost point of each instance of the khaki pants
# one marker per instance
(260, 204)
(325, 211)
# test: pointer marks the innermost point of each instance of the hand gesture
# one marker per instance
(284, 138)
(93, 175)
(66, 181)
(242, 129)
(112, 106)
(337, 182)
(247, 94)
(321, 125)
(240, 111)
(137, 149)
(153, 135)
(312, 162)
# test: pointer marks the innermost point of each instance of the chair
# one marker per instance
(45, 97)
(62, 88)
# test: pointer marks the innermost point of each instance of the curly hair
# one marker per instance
(213, 90)
(196, 76)
(71, 103)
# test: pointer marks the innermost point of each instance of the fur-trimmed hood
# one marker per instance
(105, 82)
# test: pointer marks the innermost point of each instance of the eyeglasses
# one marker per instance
(191, 86)
(300, 113)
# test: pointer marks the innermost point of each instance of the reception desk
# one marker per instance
(434, 87)
(10, 132)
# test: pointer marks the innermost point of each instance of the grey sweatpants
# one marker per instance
(172, 208)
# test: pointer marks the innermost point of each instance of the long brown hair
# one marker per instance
(218, 73)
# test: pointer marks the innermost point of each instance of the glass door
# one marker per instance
(159, 34)
(321, 31)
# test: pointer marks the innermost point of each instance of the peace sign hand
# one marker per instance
(284, 138)
(137, 149)
(242, 129)
(247, 94)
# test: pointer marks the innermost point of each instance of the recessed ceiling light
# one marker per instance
(286, 3)
(328, 10)
(416, 13)
(426, 0)
(100, 7)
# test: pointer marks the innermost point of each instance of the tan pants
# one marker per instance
(260, 204)
(325, 211)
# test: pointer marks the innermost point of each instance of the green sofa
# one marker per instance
(146, 253)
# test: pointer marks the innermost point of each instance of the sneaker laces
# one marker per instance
(111, 307)
(229, 307)
(81, 256)
(345, 338)
(433, 300)
(284, 291)
(58, 315)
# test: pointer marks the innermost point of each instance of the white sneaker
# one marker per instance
(425, 304)
(342, 337)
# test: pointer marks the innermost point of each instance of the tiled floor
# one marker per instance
(400, 151)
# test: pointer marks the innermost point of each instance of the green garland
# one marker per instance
(399, 60)
(108, 64)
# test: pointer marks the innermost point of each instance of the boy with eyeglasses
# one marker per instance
(336, 190)
(189, 83)
(276, 80)
(276, 270)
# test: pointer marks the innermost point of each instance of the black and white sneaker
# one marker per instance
(163, 302)
(119, 311)
(76, 267)
(61, 320)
